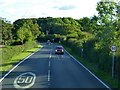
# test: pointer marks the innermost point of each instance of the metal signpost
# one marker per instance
(82, 48)
(113, 48)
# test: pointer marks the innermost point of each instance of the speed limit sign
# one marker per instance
(113, 48)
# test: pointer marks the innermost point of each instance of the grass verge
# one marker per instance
(102, 75)
(8, 64)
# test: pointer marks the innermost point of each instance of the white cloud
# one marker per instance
(9, 10)
(66, 7)
(14, 9)
(7, 2)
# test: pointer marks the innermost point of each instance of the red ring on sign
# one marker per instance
(111, 49)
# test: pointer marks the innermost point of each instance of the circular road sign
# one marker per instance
(113, 48)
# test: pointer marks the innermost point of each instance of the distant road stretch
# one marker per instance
(44, 69)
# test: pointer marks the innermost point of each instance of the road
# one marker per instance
(44, 69)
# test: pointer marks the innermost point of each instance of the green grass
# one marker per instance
(3, 47)
(102, 75)
(8, 64)
(8, 46)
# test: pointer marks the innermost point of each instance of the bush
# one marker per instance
(74, 44)
(96, 52)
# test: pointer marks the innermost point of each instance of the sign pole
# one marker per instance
(113, 48)
(82, 48)
(82, 52)
(113, 66)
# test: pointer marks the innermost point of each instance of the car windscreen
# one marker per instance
(59, 48)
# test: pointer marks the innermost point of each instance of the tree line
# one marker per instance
(104, 26)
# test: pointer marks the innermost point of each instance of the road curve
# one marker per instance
(44, 69)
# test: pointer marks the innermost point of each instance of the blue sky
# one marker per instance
(16, 9)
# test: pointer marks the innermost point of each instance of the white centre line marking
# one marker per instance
(48, 75)
(49, 63)
(50, 57)
(50, 54)
(49, 66)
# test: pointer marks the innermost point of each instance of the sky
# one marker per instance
(17, 9)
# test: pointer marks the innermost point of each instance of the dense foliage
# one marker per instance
(95, 34)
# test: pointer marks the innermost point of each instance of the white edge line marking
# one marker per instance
(18, 65)
(28, 86)
(89, 71)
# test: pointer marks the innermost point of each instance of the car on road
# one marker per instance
(48, 42)
(59, 50)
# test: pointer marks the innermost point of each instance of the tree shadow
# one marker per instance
(29, 51)
(8, 64)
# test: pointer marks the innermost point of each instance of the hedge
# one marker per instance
(96, 52)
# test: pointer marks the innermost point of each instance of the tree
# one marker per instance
(107, 15)
(24, 34)
(93, 25)
(34, 28)
(66, 20)
(7, 35)
(107, 11)
(86, 24)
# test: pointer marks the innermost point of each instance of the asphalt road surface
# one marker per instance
(44, 69)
